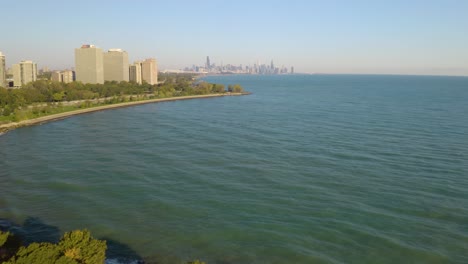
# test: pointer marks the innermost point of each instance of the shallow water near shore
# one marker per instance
(307, 169)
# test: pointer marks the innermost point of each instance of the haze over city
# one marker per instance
(376, 37)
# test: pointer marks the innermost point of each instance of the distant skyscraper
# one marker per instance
(208, 64)
(135, 72)
(149, 71)
(272, 66)
(2, 70)
(24, 72)
(292, 70)
(89, 66)
(116, 65)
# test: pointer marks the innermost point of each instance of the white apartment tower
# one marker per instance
(2, 71)
(116, 65)
(67, 76)
(24, 72)
(56, 76)
(149, 71)
(135, 72)
(63, 76)
(89, 66)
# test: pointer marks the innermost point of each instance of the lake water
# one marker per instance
(307, 169)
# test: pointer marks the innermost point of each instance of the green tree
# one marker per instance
(9, 244)
(236, 88)
(218, 88)
(27, 102)
(76, 247)
(3, 237)
(204, 88)
(58, 97)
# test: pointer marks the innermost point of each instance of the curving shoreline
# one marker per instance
(30, 122)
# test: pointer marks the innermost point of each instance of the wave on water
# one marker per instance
(307, 169)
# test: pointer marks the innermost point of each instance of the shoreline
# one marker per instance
(49, 118)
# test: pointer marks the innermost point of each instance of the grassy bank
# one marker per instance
(44, 100)
(57, 112)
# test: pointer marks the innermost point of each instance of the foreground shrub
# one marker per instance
(9, 244)
(76, 247)
(3, 237)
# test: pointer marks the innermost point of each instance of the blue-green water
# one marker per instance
(307, 169)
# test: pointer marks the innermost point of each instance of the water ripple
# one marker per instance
(308, 169)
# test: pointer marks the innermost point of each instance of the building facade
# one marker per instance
(3, 82)
(149, 71)
(135, 72)
(67, 76)
(24, 72)
(63, 76)
(116, 65)
(56, 76)
(89, 66)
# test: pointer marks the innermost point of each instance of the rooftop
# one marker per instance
(87, 46)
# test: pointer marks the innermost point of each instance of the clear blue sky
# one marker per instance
(407, 37)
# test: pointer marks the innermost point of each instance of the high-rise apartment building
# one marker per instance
(67, 76)
(116, 65)
(89, 66)
(63, 76)
(24, 72)
(149, 71)
(2, 70)
(208, 64)
(135, 72)
(56, 76)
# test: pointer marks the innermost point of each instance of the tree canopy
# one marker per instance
(76, 247)
(49, 92)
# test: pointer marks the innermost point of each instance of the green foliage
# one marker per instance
(204, 88)
(76, 247)
(36, 253)
(236, 88)
(28, 102)
(9, 245)
(3, 237)
(58, 96)
(80, 246)
(218, 88)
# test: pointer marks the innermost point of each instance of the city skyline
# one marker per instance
(257, 68)
(417, 37)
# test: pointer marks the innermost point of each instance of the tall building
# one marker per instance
(89, 66)
(56, 76)
(63, 76)
(24, 72)
(2, 71)
(135, 72)
(116, 65)
(149, 71)
(208, 64)
(68, 76)
(292, 70)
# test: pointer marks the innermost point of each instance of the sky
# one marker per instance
(365, 37)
